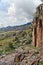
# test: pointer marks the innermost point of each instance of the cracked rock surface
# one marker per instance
(22, 56)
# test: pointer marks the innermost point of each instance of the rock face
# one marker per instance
(38, 27)
(24, 57)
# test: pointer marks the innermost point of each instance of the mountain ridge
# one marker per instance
(9, 28)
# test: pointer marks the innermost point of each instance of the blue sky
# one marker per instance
(17, 12)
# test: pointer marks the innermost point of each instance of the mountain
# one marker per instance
(21, 27)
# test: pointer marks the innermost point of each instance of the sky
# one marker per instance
(17, 12)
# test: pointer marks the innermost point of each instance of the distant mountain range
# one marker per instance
(21, 27)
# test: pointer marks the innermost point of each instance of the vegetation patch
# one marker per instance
(41, 63)
(11, 40)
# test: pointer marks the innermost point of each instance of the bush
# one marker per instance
(29, 40)
(24, 33)
(1, 52)
(11, 45)
(30, 33)
(16, 38)
(7, 49)
(14, 34)
(41, 63)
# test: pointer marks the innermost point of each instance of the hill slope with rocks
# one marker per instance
(16, 48)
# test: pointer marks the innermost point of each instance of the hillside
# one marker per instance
(12, 39)
(16, 47)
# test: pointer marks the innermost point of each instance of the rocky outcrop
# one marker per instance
(21, 56)
(38, 27)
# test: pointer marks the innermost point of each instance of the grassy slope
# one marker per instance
(13, 39)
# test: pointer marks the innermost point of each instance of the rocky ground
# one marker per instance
(21, 56)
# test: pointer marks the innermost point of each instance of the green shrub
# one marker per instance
(14, 34)
(16, 38)
(1, 52)
(30, 33)
(7, 49)
(11, 45)
(41, 63)
(29, 40)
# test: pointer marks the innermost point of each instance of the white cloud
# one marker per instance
(19, 12)
(21, 8)
(11, 9)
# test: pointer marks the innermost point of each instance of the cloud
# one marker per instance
(17, 12)
(42, 0)
(23, 8)
(11, 9)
